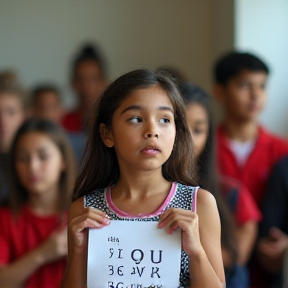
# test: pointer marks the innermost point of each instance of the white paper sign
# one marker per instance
(133, 254)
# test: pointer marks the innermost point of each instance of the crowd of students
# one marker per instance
(242, 164)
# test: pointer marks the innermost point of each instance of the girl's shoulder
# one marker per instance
(206, 206)
(205, 198)
(79, 205)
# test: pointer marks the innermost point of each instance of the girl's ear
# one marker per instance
(106, 135)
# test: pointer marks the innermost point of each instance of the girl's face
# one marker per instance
(11, 116)
(39, 163)
(143, 130)
(198, 121)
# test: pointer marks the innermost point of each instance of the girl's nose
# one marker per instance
(151, 135)
(33, 164)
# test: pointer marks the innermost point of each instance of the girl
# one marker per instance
(88, 82)
(228, 193)
(32, 229)
(138, 166)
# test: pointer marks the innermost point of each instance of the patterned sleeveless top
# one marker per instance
(180, 196)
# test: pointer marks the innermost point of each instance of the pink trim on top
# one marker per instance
(144, 215)
(194, 202)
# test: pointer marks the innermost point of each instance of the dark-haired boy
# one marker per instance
(245, 150)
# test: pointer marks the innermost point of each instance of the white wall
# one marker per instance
(38, 38)
(261, 26)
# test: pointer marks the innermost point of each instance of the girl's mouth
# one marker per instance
(151, 150)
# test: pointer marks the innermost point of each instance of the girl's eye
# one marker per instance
(43, 156)
(135, 119)
(164, 120)
(198, 131)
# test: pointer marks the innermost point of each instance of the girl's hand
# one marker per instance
(88, 218)
(55, 247)
(187, 221)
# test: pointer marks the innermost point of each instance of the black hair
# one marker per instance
(87, 53)
(231, 64)
(37, 91)
(100, 167)
(206, 165)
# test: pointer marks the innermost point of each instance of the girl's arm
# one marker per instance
(246, 238)
(80, 218)
(14, 274)
(200, 240)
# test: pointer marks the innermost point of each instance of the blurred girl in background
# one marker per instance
(238, 213)
(33, 236)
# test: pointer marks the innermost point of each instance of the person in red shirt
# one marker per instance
(33, 234)
(88, 82)
(245, 150)
(233, 199)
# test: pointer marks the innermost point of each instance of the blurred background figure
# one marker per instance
(33, 235)
(12, 114)
(238, 213)
(46, 103)
(88, 79)
(273, 243)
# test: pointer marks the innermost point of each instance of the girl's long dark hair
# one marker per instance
(207, 171)
(100, 166)
(18, 194)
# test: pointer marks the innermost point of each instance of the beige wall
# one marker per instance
(222, 37)
(38, 38)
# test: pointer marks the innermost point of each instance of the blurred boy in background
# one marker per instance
(246, 150)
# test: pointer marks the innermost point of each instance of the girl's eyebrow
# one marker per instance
(138, 107)
(132, 107)
(201, 121)
(40, 149)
